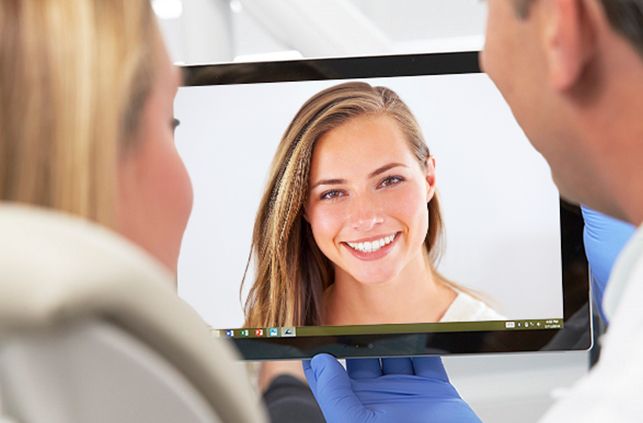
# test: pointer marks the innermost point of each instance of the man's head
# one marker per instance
(572, 72)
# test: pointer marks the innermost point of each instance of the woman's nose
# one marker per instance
(365, 215)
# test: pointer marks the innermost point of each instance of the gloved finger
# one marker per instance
(430, 367)
(333, 390)
(364, 368)
(308, 371)
(397, 366)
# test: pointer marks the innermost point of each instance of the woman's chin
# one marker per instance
(371, 279)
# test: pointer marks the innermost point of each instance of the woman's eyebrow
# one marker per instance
(329, 182)
(374, 173)
(384, 168)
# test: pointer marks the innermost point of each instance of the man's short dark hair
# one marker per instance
(625, 16)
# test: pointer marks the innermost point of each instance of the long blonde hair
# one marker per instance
(291, 273)
(74, 75)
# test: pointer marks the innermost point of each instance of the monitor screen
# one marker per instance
(498, 265)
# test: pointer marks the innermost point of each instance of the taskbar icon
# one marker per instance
(288, 331)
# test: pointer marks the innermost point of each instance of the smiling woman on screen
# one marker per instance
(349, 227)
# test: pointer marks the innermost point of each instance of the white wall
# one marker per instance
(248, 30)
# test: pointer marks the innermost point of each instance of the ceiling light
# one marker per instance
(168, 9)
(236, 6)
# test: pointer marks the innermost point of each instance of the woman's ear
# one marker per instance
(429, 176)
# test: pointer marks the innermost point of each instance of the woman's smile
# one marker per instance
(372, 248)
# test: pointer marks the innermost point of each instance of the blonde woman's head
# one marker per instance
(84, 87)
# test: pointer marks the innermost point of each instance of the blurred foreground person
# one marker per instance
(94, 203)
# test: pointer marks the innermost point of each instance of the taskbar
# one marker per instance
(388, 329)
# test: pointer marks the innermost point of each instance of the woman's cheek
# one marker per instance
(405, 202)
(184, 190)
(326, 221)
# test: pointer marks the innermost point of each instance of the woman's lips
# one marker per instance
(372, 249)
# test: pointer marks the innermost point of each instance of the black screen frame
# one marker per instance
(576, 333)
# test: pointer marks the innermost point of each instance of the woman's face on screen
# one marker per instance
(368, 199)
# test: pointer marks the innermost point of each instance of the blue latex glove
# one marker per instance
(397, 390)
(604, 238)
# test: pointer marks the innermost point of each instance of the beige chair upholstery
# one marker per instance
(91, 330)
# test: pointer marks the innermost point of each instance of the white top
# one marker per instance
(466, 308)
(613, 390)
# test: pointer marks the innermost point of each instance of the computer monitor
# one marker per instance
(509, 243)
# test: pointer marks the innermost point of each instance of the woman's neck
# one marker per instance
(416, 294)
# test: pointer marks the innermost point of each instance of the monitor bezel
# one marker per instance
(577, 323)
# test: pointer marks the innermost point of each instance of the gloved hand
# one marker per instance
(399, 390)
(604, 238)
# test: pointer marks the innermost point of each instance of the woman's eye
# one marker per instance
(174, 124)
(331, 195)
(390, 180)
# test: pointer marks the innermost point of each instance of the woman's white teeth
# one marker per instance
(372, 246)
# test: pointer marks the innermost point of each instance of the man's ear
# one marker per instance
(569, 41)
(429, 175)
